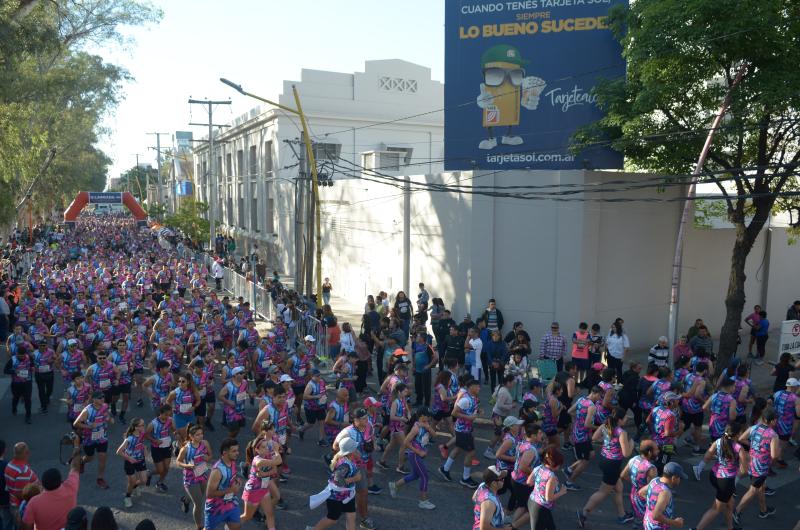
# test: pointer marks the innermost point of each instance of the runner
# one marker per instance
(339, 495)
(418, 435)
(222, 503)
(526, 458)
(640, 470)
(159, 432)
(20, 368)
(123, 360)
(546, 490)
(616, 447)
(787, 409)
(363, 433)
(659, 509)
(552, 412)
(93, 421)
(722, 406)
(234, 395)
(193, 460)
(665, 427)
(314, 403)
(584, 410)
(691, 404)
(465, 411)
(505, 455)
(487, 510)
(730, 461)
(44, 363)
(184, 400)
(764, 448)
(264, 457)
(132, 451)
(399, 415)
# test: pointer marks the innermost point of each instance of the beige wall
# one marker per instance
(543, 260)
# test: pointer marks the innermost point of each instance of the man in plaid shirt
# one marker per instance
(553, 346)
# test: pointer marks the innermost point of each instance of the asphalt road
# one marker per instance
(453, 506)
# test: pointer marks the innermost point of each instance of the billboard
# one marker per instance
(519, 80)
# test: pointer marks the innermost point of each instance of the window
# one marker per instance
(252, 163)
(240, 203)
(219, 165)
(326, 151)
(398, 84)
(270, 213)
(229, 205)
(228, 165)
(254, 208)
(240, 169)
(268, 158)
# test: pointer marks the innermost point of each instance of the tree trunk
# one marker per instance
(735, 299)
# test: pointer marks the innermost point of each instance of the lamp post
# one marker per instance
(312, 162)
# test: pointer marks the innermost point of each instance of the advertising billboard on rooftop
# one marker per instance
(519, 81)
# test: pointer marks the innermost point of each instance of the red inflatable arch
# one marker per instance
(90, 197)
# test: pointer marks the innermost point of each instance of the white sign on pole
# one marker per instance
(790, 338)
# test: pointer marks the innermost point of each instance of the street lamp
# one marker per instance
(310, 156)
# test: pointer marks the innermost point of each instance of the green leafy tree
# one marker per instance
(189, 220)
(683, 57)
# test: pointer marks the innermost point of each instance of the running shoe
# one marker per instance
(769, 492)
(571, 486)
(102, 484)
(697, 471)
(581, 518)
(426, 505)
(443, 451)
(401, 470)
(568, 472)
(367, 524)
(468, 483)
(281, 505)
(736, 517)
(122, 420)
(287, 470)
(625, 519)
(149, 478)
(489, 454)
(139, 403)
(374, 490)
(566, 446)
(445, 474)
(184, 504)
(393, 490)
(301, 434)
(792, 442)
(322, 443)
(282, 478)
(162, 487)
(475, 462)
(764, 515)
(127, 502)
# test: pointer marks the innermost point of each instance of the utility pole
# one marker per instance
(312, 205)
(298, 216)
(142, 196)
(212, 196)
(159, 192)
(407, 234)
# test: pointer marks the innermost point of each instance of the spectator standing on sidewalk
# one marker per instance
(553, 346)
(702, 340)
(752, 320)
(218, 272)
(424, 358)
(327, 287)
(497, 356)
(617, 347)
(18, 474)
(423, 297)
(659, 353)
(493, 317)
(793, 313)
(762, 334)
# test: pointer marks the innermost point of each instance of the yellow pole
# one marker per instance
(315, 184)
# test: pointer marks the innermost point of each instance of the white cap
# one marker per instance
(285, 377)
(310, 338)
(347, 446)
(237, 370)
(792, 381)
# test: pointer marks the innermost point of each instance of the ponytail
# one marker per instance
(732, 430)
(132, 426)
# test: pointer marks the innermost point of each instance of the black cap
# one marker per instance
(75, 518)
(360, 413)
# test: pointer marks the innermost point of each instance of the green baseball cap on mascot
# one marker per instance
(502, 53)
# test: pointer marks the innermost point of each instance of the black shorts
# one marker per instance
(298, 394)
(465, 441)
(218, 344)
(313, 416)
(138, 371)
(132, 469)
(200, 411)
(337, 508)
(693, 418)
(442, 414)
(757, 482)
(89, 450)
(784, 437)
(211, 397)
(385, 418)
(520, 493)
(610, 469)
(564, 419)
(108, 396)
(725, 487)
(235, 425)
(121, 389)
(160, 454)
(582, 450)
(582, 365)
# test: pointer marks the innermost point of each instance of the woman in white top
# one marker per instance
(617, 346)
(348, 338)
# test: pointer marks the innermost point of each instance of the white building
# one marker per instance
(542, 260)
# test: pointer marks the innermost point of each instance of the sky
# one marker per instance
(257, 44)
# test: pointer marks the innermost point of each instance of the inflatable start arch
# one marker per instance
(90, 197)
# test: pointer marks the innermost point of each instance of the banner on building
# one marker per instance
(519, 81)
(105, 197)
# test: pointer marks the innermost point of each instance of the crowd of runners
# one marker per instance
(137, 337)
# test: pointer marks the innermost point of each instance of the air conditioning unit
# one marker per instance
(391, 159)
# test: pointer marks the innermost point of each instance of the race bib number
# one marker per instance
(39, 337)
(90, 337)
(179, 331)
(200, 468)
(228, 497)
(290, 402)
(190, 327)
(142, 329)
(265, 364)
(323, 399)
(98, 435)
(185, 408)
(241, 396)
(22, 374)
(164, 442)
(44, 369)
(282, 439)
(123, 368)
(202, 392)
(77, 408)
(301, 372)
(105, 383)
(264, 483)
